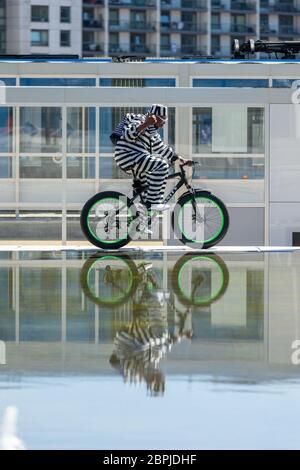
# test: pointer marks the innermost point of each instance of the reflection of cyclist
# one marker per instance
(141, 344)
(139, 347)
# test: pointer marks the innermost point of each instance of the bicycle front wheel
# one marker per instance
(200, 220)
(200, 279)
(105, 220)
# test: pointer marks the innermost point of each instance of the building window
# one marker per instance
(228, 130)
(65, 38)
(215, 21)
(138, 82)
(114, 19)
(40, 13)
(215, 44)
(39, 37)
(65, 14)
(229, 142)
(40, 129)
(230, 82)
(114, 45)
(51, 81)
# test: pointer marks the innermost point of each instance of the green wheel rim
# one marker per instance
(187, 236)
(203, 300)
(94, 235)
(130, 279)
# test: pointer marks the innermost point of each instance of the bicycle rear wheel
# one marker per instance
(108, 280)
(105, 220)
(200, 221)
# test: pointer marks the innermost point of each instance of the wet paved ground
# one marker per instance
(152, 350)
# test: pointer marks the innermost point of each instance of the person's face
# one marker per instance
(160, 122)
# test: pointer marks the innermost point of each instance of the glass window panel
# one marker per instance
(229, 129)
(52, 81)
(65, 14)
(284, 82)
(81, 167)
(6, 129)
(202, 130)
(230, 82)
(7, 167)
(41, 167)
(256, 131)
(40, 303)
(230, 168)
(171, 127)
(39, 38)
(138, 82)
(243, 132)
(40, 13)
(74, 232)
(9, 81)
(109, 119)
(109, 169)
(81, 126)
(40, 129)
(65, 38)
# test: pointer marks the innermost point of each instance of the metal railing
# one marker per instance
(131, 25)
(243, 6)
(176, 51)
(92, 23)
(92, 2)
(133, 3)
(127, 48)
(184, 26)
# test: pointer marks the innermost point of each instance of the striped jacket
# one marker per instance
(132, 144)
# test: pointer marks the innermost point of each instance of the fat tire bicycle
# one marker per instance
(110, 219)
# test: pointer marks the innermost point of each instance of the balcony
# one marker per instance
(184, 27)
(173, 4)
(242, 29)
(264, 29)
(217, 28)
(133, 3)
(132, 26)
(142, 49)
(92, 49)
(194, 5)
(245, 7)
(136, 49)
(218, 6)
(177, 51)
(92, 24)
(288, 31)
(280, 7)
(220, 53)
(92, 3)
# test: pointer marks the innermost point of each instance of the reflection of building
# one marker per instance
(43, 309)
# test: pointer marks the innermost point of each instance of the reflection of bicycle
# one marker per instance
(200, 280)
(110, 219)
(110, 280)
(143, 339)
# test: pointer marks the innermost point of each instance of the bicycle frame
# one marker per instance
(182, 182)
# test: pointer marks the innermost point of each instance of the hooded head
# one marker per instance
(159, 110)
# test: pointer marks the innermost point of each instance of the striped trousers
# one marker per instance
(152, 171)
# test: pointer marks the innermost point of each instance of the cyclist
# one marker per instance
(142, 151)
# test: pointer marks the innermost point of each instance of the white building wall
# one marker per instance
(19, 26)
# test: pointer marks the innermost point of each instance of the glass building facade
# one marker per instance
(56, 151)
